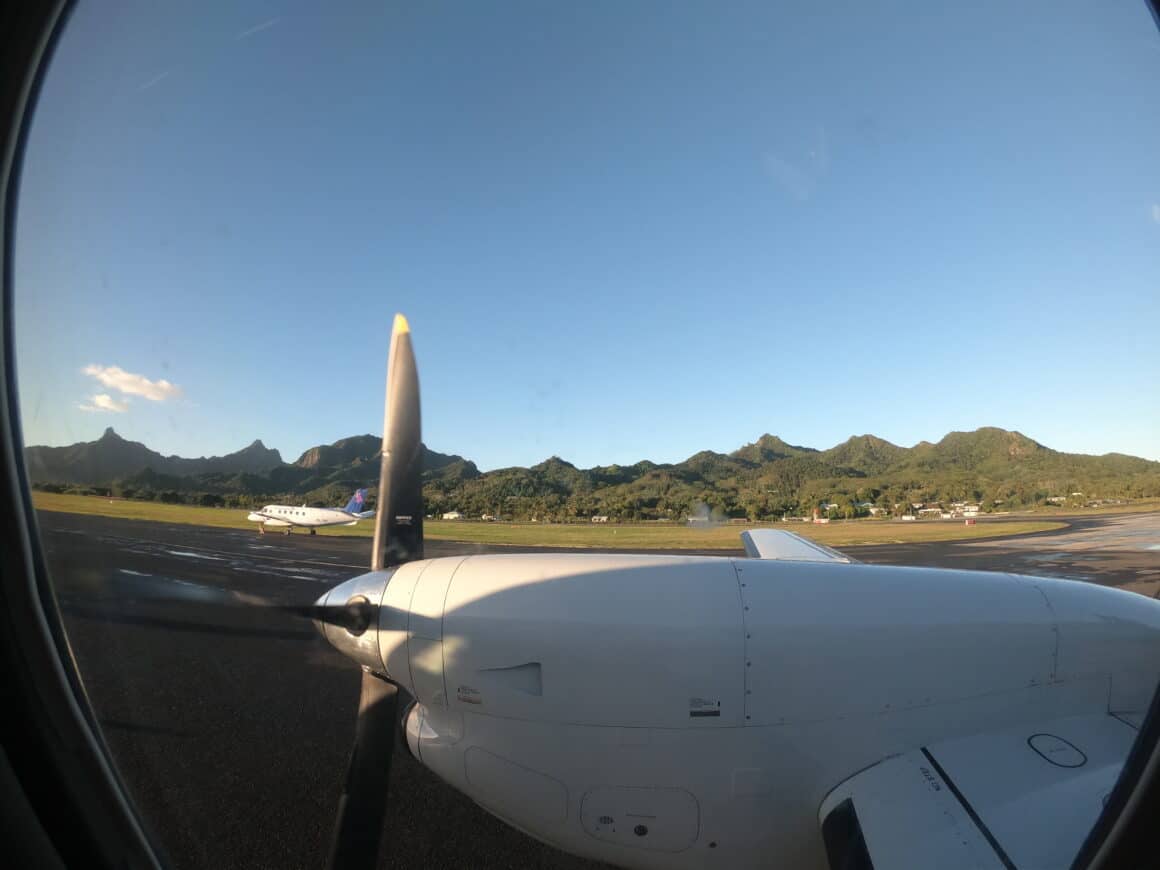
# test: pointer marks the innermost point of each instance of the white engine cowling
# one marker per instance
(702, 642)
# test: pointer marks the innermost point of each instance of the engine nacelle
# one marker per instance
(633, 641)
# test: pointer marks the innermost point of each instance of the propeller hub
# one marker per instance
(356, 633)
(361, 614)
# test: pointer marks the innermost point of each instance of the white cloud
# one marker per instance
(258, 28)
(156, 80)
(789, 177)
(135, 385)
(1156, 212)
(105, 402)
(820, 153)
(800, 179)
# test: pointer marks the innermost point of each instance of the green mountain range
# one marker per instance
(996, 468)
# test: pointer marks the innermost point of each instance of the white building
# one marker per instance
(600, 519)
(453, 515)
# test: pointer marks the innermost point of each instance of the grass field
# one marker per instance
(611, 536)
(1138, 506)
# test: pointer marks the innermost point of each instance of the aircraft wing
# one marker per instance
(780, 544)
(1024, 796)
(273, 519)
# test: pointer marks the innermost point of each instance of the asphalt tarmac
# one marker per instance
(232, 730)
(1121, 550)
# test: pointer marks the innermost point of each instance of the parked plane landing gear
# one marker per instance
(261, 528)
(286, 531)
(312, 531)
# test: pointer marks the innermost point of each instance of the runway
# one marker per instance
(1119, 550)
(232, 731)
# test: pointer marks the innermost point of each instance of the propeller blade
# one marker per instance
(358, 831)
(356, 616)
(398, 539)
(399, 517)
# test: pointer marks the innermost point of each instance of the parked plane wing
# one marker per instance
(779, 544)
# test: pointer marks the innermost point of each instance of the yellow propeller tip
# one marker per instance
(401, 325)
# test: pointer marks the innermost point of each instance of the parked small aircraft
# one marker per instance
(286, 517)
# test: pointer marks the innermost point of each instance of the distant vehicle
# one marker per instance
(285, 517)
(910, 517)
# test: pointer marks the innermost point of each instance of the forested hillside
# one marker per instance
(766, 479)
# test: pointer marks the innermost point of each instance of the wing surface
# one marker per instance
(1021, 797)
(275, 519)
(780, 544)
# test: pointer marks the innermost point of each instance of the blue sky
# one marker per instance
(620, 231)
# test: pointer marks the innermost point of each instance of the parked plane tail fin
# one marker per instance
(356, 502)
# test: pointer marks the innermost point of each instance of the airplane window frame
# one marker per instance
(63, 800)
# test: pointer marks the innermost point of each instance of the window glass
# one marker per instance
(883, 276)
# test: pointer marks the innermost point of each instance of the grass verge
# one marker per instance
(611, 536)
